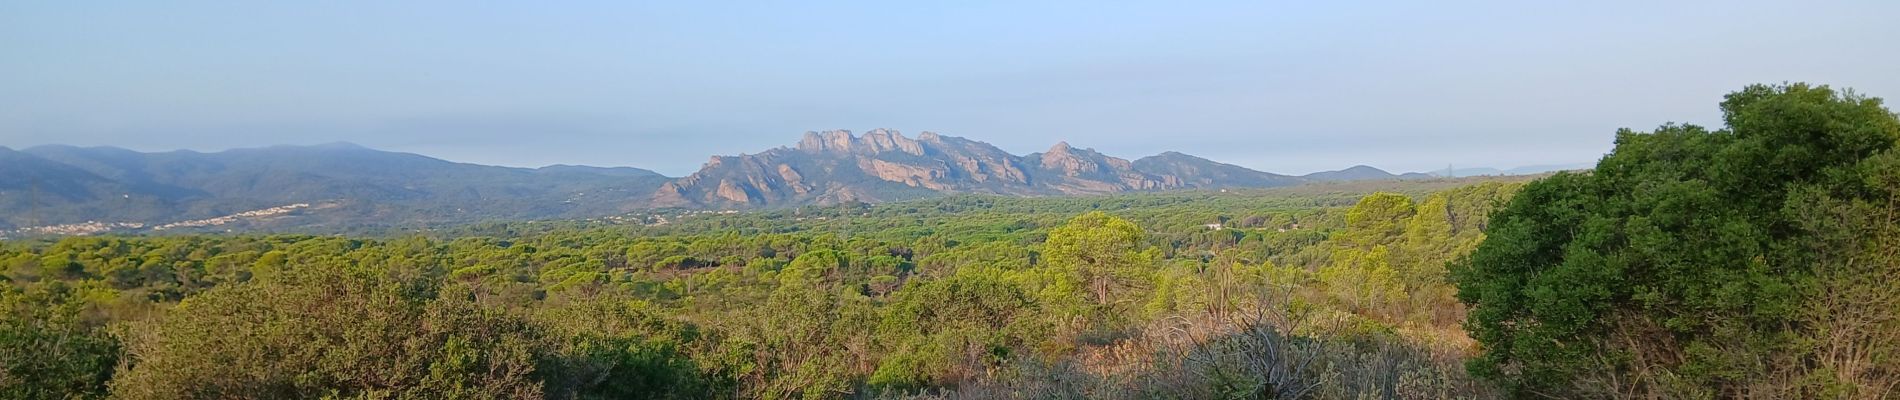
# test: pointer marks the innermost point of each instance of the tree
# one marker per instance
(1369, 270)
(610, 347)
(1680, 266)
(951, 330)
(318, 331)
(1365, 281)
(1099, 250)
(810, 336)
(1855, 316)
(1376, 220)
(47, 350)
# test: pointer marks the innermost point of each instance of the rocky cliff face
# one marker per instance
(881, 165)
(1069, 170)
(738, 181)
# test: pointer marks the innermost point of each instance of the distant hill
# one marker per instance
(1203, 173)
(1524, 170)
(63, 188)
(1360, 173)
(63, 184)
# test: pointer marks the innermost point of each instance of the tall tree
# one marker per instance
(1680, 266)
(1100, 250)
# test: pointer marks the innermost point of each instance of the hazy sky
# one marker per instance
(1286, 87)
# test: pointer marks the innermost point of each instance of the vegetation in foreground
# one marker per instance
(1757, 261)
(1753, 261)
(1120, 296)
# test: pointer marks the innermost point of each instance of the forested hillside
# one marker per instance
(1118, 296)
(341, 183)
(1760, 260)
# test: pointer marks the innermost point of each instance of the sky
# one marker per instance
(1288, 87)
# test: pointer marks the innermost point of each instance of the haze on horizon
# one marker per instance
(1280, 87)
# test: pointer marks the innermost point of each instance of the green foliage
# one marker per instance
(819, 302)
(1679, 267)
(329, 331)
(945, 331)
(47, 348)
(1098, 251)
(1377, 220)
(1389, 261)
(613, 348)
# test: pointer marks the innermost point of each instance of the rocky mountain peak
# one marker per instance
(843, 142)
(883, 164)
(882, 140)
(1072, 161)
(1060, 148)
(838, 141)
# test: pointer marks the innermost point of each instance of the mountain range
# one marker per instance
(883, 165)
(349, 184)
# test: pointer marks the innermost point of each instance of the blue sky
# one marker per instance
(1288, 87)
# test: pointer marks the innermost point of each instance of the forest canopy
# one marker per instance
(965, 296)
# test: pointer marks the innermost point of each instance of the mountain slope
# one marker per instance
(1199, 172)
(883, 165)
(1361, 173)
(836, 166)
(26, 172)
(119, 185)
